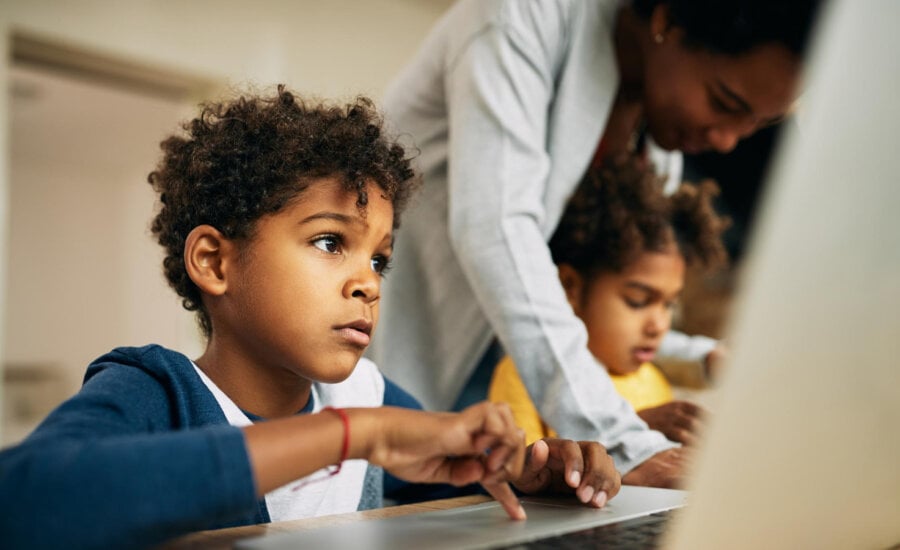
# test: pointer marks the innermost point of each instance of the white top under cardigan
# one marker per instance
(332, 494)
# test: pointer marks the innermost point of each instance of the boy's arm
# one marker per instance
(404, 492)
(95, 474)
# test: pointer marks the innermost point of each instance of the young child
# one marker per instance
(622, 249)
(277, 220)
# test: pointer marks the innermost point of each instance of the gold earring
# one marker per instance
(658, 38)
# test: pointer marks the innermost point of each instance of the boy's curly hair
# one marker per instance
(619, 211)
(243, 159)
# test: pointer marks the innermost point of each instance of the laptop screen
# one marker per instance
(804, 447)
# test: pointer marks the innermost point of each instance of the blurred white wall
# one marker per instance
(83, 272)
(79, 272)
(4, 208)
(330, 47)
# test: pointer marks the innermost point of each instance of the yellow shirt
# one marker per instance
(643, 388)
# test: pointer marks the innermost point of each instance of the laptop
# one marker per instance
(477, 526)
(804, 448)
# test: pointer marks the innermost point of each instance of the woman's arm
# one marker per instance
(499, 92)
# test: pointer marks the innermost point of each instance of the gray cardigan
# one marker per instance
(506, 101)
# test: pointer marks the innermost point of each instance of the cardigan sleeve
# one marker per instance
(498, 91)
(106, 469)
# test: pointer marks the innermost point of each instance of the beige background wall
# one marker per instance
(331, 47)
(78, 270)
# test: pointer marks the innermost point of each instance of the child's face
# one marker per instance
(628, 313)
(304, 294)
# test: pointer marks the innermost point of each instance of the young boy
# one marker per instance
(277, 219)
(622, 249)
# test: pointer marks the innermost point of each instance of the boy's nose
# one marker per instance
(365, 285)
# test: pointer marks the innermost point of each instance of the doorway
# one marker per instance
(84, 274)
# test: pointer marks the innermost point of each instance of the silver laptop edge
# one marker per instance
(474, 527)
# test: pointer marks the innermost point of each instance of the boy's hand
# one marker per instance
(679, 421)
(480, 444)
(564, 466)
(665, 469)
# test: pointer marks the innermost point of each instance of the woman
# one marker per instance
(509, 101)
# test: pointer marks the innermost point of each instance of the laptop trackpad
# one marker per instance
(477, 526)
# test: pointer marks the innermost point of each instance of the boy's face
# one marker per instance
(304, 295)
(628, 313)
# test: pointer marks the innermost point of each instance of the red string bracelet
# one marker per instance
(345, 449)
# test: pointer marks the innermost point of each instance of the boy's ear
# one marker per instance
(573, 284)
(206, 257)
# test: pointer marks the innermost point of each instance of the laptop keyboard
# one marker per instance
(633, 534)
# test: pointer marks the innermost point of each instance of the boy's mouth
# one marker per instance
(357, 333)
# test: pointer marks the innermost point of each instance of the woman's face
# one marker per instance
(696, 100)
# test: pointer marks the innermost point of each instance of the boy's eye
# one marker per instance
(328, 243)
(381, 264)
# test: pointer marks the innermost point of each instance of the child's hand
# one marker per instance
(480, 444)
(679, 421)
(564, 466)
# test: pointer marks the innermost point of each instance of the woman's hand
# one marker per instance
(679, 421)
(566, 466)
(665, 469)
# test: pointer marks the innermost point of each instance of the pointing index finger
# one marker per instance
(504, 494)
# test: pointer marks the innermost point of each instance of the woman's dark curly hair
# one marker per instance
(619, 212)
(736, 26)
(243, 159)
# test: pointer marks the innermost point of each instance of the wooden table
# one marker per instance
(225, 538)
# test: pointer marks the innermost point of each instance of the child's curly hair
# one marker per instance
(619, 211)
(243, 159)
